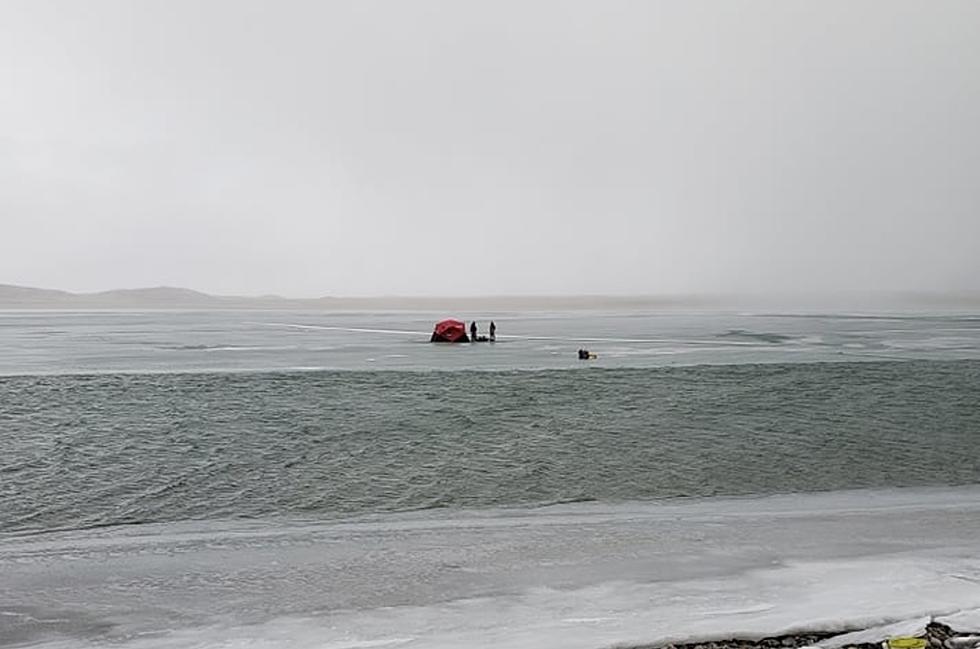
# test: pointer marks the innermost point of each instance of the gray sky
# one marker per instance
(418, 147)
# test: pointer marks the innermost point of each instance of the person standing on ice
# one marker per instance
(493, 331)
(473, 331)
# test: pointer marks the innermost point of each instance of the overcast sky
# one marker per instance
(418, 147)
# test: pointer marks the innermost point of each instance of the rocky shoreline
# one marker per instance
(937, 636)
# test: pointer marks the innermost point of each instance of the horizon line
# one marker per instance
(700, 296)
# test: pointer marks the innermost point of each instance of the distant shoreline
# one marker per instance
(14, 297)
(165, 298)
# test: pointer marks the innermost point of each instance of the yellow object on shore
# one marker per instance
(907, 642)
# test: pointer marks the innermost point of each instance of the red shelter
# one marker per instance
(450, 331)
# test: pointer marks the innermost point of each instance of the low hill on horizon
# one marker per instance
(168, 297)
(14, 297)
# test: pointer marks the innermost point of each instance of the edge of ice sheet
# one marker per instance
(788, 505)
(915, 627)
(966, 621)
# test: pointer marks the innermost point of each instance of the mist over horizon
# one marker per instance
(433, 148)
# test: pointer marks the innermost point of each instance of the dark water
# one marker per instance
(90, 450)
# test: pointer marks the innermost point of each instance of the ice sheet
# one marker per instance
(967, 621)
(574, 576)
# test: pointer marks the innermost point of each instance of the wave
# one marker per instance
(228, 348)
(742, 334)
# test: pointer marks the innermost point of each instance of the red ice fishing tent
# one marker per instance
(449, 331)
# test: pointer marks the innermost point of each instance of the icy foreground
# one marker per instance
(571, 576)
